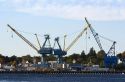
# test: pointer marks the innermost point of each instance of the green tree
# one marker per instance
(76, 57)
(83, 58)
(36, 59)
(68, 59)
(92, 58)
(100, 58)
(123, 55)
(6, 60)
(27, 58)
(119, 55)
(50, 58)
(13, 58)
(2, 58)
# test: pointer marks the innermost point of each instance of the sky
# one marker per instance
(59, 18)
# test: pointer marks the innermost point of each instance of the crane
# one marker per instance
(43, 50)
(110, 60)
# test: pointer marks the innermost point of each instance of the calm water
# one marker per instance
(62, 77)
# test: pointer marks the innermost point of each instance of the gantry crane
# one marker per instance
(45, 49)
(110, 60)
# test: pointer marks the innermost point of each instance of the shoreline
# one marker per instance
(64, 72)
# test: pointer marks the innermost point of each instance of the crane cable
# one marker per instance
(86, 42)
(106, 38)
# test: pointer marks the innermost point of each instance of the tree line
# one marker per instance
(92, 58)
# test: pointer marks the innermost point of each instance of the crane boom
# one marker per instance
(23, 38)
(94, 34)
(76, 39)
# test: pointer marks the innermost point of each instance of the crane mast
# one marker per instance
(94, 34)
(23, 38)
(111, 51)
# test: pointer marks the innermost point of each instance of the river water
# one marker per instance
(34, 77)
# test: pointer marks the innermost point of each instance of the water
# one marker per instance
(33, 77)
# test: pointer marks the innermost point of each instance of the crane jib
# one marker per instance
(23, 38)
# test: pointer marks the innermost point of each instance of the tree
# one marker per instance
(119, 55)
(92, 56)
(123, 54)
(19, 60)
(1, 58)
(100, 58)
(13, 58)
(83, 58)
(68, 59)
(92, 52)
(50, 58)
(83, 54)
(7, 59)
(36, 59)
(76, 57)
(27, 58)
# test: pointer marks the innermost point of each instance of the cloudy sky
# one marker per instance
(57, 18)
(69, 9)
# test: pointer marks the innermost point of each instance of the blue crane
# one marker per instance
(45, 49)
(110, 60)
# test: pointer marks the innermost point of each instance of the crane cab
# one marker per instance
(59, 52)
(45, 51)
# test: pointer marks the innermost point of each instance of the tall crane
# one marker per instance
(110, 59)
(43, 50)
